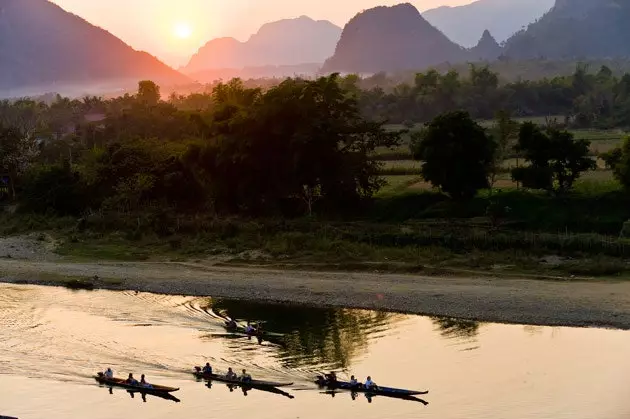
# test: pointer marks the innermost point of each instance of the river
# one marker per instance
(53, 340)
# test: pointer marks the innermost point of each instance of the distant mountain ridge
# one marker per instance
(576, 29)
(282, 43)
(503, 18)
(487, 49)
(389, 39)
(41, 44)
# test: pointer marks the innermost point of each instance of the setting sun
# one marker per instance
(183, 30)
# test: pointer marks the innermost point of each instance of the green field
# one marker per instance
(403, 174)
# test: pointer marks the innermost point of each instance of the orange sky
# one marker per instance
(149, 25)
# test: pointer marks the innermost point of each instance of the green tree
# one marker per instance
(504, 132)
(621, 160)
(456, 154)
(612, 157)
(269, 148)
(56, 189)
(556, 159)
(148, 93)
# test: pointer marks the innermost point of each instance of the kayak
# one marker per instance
(222, 378)
(359, 388)
(121, 382)
(275, 338)
(242, 330)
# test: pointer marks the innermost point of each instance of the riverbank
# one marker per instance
(481, 298)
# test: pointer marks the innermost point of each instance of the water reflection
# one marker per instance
(327, 338)
(246, 389)
(143, 395)
(53, 339)
(369, 397)
(456, 328)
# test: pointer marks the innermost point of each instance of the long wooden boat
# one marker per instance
(121, 382)
(359, 388)
(222, 378)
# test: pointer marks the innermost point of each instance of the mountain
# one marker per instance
(503, 18)
(576, 29)
(390, 39)
(41, 45)
(487, 49)
(285, 42)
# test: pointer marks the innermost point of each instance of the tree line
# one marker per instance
(294, 148)
(277, 151)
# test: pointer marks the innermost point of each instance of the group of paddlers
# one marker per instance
(230, 375)
(109, 374)
(331, 379)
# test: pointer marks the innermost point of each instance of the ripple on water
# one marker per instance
(473, 370)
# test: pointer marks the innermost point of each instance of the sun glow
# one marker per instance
(183, 30)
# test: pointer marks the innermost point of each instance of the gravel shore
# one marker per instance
(524, 301)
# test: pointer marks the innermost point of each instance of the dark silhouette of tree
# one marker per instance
(556, 159)
(456, 154)
(148, 93)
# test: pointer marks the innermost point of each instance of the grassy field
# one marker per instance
(400, 170)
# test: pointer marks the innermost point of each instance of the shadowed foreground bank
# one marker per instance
(524, 301)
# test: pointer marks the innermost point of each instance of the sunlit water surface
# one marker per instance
(52, 340)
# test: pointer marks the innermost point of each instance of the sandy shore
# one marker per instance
(526, 301)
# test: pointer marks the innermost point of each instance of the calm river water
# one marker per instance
(52, 341)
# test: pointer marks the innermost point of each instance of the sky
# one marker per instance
(173, 30)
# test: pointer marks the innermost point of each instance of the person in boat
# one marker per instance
(231, 375)
(144, 383)
(331, 378)
(354, 382)
(249, 329)
(245, 377)
(231, 324)
(207, 369)
(108, 373)
(369, 384)
(131, 380)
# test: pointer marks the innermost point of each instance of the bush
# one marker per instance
(53, 188)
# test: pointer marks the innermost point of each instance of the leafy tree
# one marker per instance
(505, 130)
(54, 189)
(556, 159)
(456, 154)
(612, 157)
(299, 139)
(621, 159)
(17, 151)
(148, 93)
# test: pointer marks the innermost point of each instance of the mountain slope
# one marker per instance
(465, 24)
(285, 42)
(390, 39)
(576, 29)
(487, 49)
(41, 44)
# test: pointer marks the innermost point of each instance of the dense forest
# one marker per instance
(286, 166)
(284, 149)
(257, 150)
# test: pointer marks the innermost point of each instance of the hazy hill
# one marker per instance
(503, 18)
(44, 46)
(269, 72)
(576, 29)
(487, 49)
(390, 39)
(285, 42)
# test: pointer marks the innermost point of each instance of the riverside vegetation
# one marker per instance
(307, 174)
